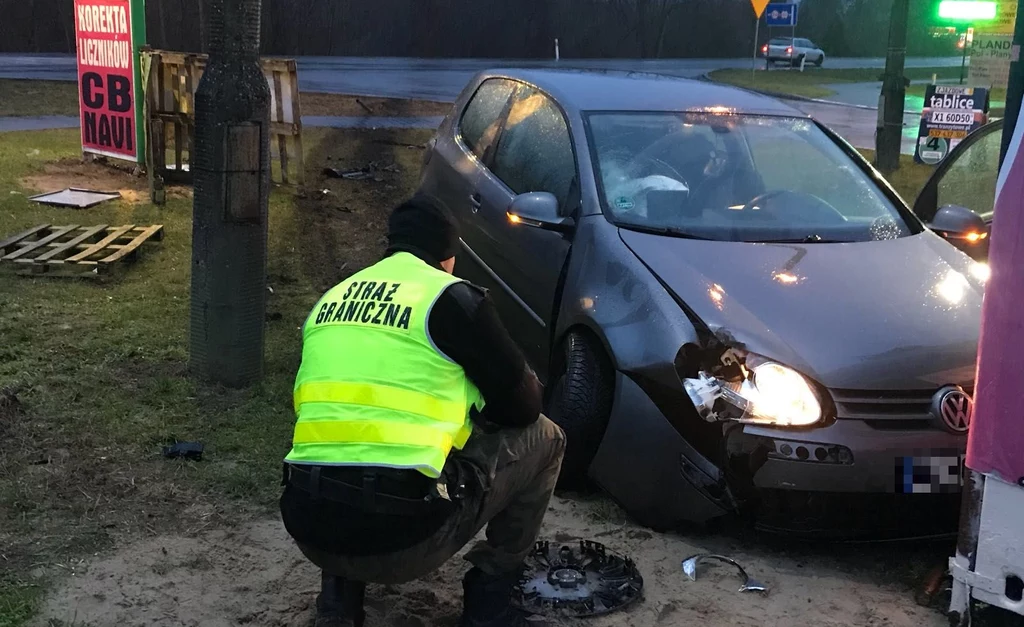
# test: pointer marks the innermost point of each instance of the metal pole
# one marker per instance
(889, 133)
(757, 34)
(963, 61)
(1015, 87)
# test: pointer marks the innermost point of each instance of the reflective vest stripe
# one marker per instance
(372, 432)
(380, 396)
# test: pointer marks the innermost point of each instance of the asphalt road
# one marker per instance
(442, 79)
(432, 79)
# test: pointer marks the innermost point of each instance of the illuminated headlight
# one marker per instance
(772, 394)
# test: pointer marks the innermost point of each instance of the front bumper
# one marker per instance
(852, 456)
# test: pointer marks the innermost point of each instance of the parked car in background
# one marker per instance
(793, 51)
(731, 310)
(966, 178)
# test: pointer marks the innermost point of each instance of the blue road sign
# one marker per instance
(781, 14)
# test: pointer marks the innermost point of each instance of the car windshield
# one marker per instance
(740, 178)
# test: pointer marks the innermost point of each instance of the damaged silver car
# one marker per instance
(731, 310)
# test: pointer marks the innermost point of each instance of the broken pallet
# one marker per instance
(75, 249)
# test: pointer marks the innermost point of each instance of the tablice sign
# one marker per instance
(950, 113)
(108, 37)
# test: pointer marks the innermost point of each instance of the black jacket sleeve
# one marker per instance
(464, 325)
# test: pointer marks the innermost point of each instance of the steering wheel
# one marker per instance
(817, 202)
(647, 155)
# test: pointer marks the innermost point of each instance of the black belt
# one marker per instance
(368, 495)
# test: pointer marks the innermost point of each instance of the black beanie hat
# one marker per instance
(422, 227)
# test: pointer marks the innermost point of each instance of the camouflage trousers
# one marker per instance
(516, 471)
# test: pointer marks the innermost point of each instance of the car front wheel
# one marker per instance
(580, 402)
(821, 59)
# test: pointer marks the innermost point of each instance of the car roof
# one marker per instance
(613, 90)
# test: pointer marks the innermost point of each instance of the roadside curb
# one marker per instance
(784, 96)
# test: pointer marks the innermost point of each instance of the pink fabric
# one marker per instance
(996, 441)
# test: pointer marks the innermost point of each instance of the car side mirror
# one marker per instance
(954, 222)
(539, 210)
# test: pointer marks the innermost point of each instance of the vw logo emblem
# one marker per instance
(954, 408)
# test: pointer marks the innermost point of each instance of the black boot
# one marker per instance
(340, 603)
(487, 601)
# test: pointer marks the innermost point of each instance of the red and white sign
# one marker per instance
(106, 77)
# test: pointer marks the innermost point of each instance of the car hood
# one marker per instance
(892, 314)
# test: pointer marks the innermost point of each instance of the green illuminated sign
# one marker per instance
(968, 10)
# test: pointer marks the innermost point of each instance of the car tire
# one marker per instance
(821, 59)
(797, 62)
(580, 402)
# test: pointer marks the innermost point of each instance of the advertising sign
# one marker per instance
(1006, 18)
(950, 113)
(990, 59)
(108, 38)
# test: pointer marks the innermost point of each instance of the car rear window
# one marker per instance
(781, 41)
(737, 178)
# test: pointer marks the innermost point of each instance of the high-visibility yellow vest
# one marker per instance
(373, 390)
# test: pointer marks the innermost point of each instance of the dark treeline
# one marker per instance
(493, 28)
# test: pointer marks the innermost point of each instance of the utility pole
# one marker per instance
(1015, 87)
(889, 131)
(231, 174)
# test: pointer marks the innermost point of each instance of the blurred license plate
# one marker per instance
(952, 117)
(938, 472)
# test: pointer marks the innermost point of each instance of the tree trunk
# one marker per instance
(161, 21)
(202, 24)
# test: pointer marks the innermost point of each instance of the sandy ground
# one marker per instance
(254, 576)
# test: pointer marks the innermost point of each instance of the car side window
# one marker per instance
(482, 117)
(970, 181)
(535, 152)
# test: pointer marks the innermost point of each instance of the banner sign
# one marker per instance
(108, 37)
(990, 59)
(950, 113)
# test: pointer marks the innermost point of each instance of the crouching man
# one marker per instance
(418, 423)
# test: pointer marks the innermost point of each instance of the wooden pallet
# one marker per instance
(74, 249)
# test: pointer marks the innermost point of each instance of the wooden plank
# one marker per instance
(281, 128)
(70, 244)
(282, 141)
(297, 112)
(14, 239)
(135, 243)
(57, 232)
(178, 142)
(100, 245)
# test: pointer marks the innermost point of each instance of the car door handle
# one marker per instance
(474, 202)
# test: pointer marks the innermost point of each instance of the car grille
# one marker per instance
(887, 409)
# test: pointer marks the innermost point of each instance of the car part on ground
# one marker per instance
(184, 450)
(563, 581)
(749, 584)
(75, 197)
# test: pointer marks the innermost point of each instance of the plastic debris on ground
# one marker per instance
(184, 450)
(569, 581)
(749, 584)
(371, 171)
(75, 197)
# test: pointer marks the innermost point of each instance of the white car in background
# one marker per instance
(792, 50)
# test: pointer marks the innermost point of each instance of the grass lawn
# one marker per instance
(30, 98)
(812, 82)
(93, 374)
(909, 179)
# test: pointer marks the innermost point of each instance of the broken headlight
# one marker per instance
(766, 393)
